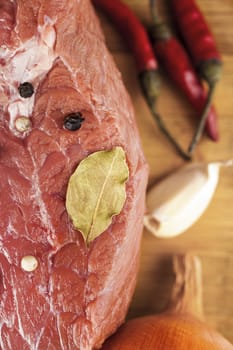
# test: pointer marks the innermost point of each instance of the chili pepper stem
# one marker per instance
(164, 130)
(200, 128)
(150, 87)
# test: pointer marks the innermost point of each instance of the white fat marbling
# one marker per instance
(29, 62)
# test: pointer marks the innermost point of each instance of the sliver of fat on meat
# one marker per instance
(20, 328)
(30, 62)
(37, 198)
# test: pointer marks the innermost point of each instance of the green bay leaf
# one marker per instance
(96, 192)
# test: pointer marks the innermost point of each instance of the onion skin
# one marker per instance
(166, 332)
(182, 326)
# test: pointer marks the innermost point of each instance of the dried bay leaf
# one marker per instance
(96, 192)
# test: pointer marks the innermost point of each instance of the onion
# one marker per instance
(181, 327)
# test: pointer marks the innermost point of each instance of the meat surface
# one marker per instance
(77, 295)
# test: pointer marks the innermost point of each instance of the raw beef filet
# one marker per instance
(72, 296)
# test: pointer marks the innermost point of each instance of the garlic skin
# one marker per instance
(178, 201)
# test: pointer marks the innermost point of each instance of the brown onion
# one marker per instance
(181, 327)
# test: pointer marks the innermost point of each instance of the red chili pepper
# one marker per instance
(176, 62)
(132, 30)
(202, 47)
(138, 41)
(195, 31)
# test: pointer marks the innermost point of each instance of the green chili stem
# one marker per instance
(200, 128)
(164, 130)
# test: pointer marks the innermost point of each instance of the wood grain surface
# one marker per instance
(212, 236)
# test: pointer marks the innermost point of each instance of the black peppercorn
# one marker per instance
(26, 90)
(73, 121)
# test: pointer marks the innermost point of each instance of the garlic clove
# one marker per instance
(178, 201)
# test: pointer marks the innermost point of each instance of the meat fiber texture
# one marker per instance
(77, 295)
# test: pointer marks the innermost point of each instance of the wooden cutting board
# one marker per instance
(212, 236)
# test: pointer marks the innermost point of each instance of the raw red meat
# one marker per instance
(77, 296)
